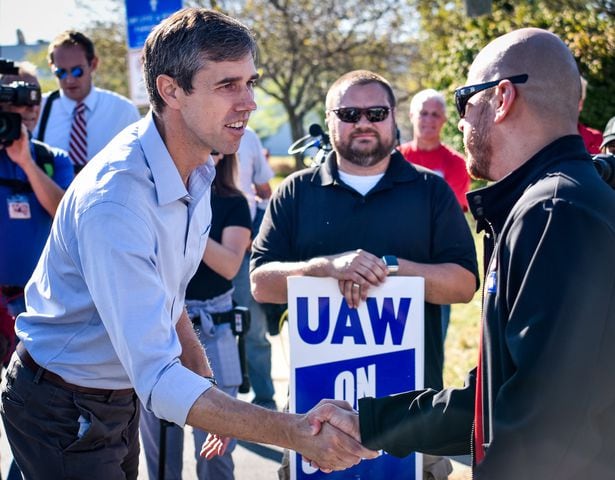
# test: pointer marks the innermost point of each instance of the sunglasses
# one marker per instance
(62, 73)
(463, 94)
(353, 114)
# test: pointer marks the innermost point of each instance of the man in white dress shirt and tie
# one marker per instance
(80, 118)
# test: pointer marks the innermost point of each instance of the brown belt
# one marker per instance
(29, 362)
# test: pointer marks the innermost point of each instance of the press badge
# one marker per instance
(19, 207)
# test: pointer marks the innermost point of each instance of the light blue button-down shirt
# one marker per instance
(109, 287)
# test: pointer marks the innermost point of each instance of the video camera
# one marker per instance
(605, 164)
(16, 93)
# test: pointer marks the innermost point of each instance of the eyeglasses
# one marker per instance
(353, 114)
(62, 73)
(463, 94)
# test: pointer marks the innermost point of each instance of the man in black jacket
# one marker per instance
(541, 403)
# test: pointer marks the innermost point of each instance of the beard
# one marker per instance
(478, 146)
(360, 155)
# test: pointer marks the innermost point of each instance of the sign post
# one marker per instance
(344, 353)
(141, 17)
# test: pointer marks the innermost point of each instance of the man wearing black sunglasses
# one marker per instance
(540, 404)
(101, 114)
(366, 213)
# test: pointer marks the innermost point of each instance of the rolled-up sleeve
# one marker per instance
(117, 256)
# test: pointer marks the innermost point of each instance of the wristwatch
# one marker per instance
(392, 264)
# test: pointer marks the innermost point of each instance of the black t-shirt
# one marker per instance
(226, 212)
(411, 213)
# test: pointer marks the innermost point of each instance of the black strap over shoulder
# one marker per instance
(44, 159)
(45, 114)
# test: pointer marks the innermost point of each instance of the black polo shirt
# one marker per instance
(411, 213)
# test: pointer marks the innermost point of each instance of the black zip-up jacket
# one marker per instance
(548, 333)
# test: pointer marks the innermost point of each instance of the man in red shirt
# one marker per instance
(428, 115)
(591, 138)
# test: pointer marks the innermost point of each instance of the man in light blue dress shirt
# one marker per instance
(105, 319)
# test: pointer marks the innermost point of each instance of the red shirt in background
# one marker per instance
(447, 163)
(591, 138)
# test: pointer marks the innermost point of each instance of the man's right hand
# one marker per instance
(356, 271)
(334, 442)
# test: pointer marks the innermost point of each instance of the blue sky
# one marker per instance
(41, 19)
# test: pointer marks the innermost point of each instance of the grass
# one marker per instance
(461, 347)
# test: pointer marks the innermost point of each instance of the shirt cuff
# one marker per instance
(175, 393)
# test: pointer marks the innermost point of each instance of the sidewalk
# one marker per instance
(252, 461)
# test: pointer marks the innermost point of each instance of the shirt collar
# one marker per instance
(90, 101)
(399, 170)
(168, 182)
(492, 204)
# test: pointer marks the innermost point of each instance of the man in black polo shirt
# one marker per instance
(364, 203)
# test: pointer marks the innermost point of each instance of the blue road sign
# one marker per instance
(143, 15)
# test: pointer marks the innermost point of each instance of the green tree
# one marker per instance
(109, 37)
(449, 41)
(304, 45)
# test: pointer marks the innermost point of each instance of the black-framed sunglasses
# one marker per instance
(463, 94)
(62, 73)
(353, 114)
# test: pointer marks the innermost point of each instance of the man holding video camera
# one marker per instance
(33, 177)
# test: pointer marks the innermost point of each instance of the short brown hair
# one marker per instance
(72, 38)
(180, 45)
(359, 77)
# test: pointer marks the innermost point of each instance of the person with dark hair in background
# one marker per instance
(254, 176)
(209, 303)
(79, 117)
(541, 402)
(106, 327)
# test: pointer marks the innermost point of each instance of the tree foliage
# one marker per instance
(109, 37)
(304, 45)
(449, 41)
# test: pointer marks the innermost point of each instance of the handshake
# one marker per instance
(327, 436)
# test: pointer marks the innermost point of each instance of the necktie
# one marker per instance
(78, 144)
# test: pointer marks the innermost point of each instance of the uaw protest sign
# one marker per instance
(345, 353)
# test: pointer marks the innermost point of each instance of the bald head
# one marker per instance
(553, 89)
